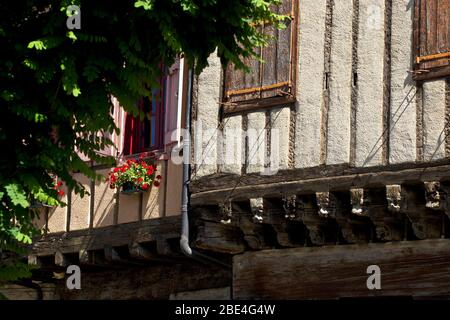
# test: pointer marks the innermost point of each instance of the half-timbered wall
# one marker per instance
(356, 100)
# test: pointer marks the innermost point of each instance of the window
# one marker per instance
(431, 39)
(147, 134)
(268, 83)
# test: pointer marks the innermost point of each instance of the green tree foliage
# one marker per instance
(56, 83)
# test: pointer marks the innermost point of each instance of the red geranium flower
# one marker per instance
(61, 193)
(145, 186)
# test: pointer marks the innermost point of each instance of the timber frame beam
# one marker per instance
(407, 268)
(216, 188)
(135, 243)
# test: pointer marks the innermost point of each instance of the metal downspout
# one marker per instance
(184, 241)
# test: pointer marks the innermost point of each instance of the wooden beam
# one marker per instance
(111, 254)
(299, 182)
(218, 237)
(34, 260)
(163, 247)
(137, 251)
(61, 260)
(426, 222)
(408, 268)
(115, 236)
(233, 108)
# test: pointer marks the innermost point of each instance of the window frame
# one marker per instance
(246, 105)
(159, 123)
(423, 68)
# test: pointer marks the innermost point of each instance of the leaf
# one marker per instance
(146, 4)
(76, 91)
(71, 35)
(37, 44)
(17, 195)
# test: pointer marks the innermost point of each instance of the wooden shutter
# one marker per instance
(268, 83)
(431, 39)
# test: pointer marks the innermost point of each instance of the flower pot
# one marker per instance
(130, 188)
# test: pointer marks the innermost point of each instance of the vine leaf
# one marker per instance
(17, 195)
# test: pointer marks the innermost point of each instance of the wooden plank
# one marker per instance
(431, 23)
(96, 239)
(222, 181)
(254, 105)
(413, 268)
(278, 185)
(422, 27)
(283, 57)
(252, 79)
(432, 36)
(269, 55)
(432, 74)
(137, 251)
(443, 32)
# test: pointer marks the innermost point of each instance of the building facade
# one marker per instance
(332, 156)
(322, 166)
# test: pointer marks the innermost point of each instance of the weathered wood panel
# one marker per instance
(432, 39)
(310, 81)
(415, 268)
(266, 79)
(370, 82)
(338, 131)
(297, 182)
(97, 239)
(402, 131)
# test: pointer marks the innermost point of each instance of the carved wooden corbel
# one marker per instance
(321, 229)
(327, 207)
(434, 196)
(280, 213)
(226, 211)
(382, 206)
(357, 201)
(290, 207)
(394, 197)
(257, 207)
(426, 222)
